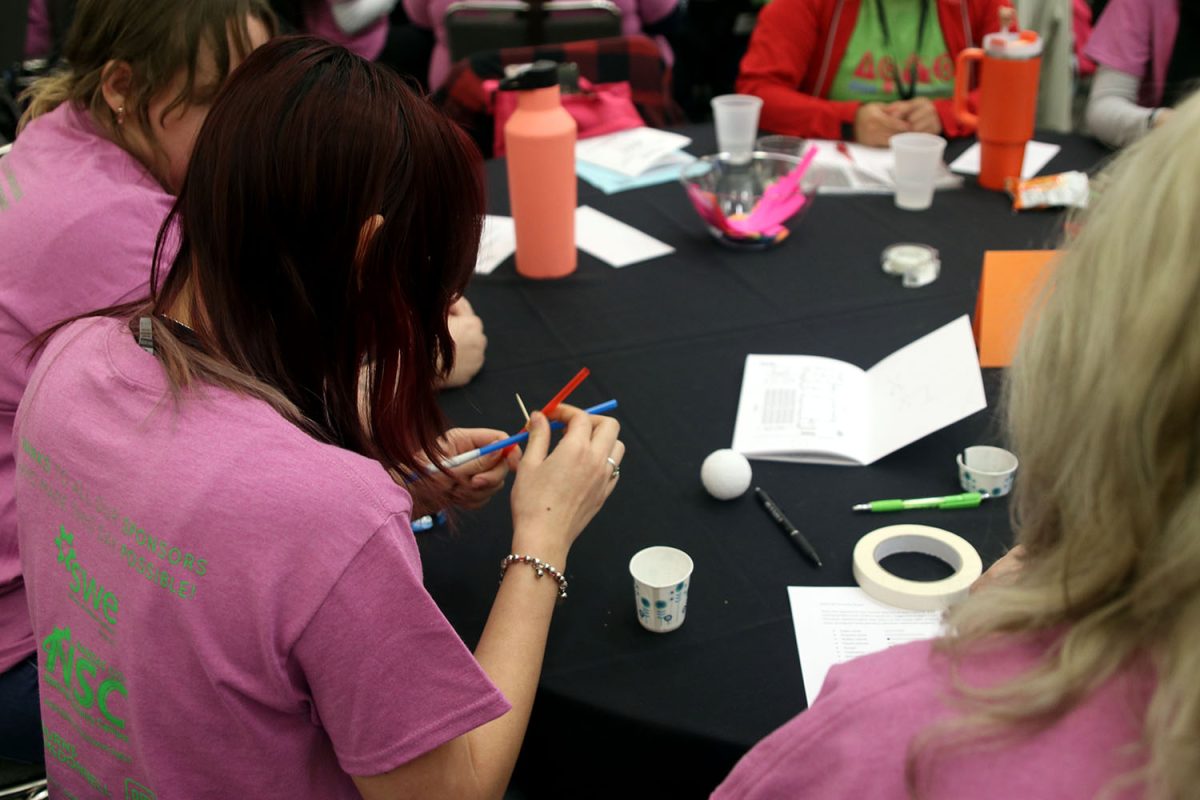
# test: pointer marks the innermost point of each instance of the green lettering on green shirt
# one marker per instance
(868, 69)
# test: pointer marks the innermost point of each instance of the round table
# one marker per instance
(668, 339)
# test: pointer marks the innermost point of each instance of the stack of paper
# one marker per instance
(600, 235)
(837, 623)
(631, 159)
(1037, 156)
(846, 168)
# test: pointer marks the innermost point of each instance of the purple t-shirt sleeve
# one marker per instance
(389, 678)
(1122, 40)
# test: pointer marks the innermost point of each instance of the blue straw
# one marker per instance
(520, 438)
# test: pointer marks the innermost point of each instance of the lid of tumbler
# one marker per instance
(539, 75)
(1013, 44)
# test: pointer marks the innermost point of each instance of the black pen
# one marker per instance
(787, 527)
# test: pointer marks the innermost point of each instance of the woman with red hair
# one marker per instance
(216, 484)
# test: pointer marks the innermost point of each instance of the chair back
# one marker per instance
(474, 26)
(22, 781)
(635, 59)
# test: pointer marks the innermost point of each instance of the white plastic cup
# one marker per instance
(661, 576)
(987, 470)
(916, 157)
(736, 120)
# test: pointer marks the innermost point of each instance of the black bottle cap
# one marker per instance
(539, 75)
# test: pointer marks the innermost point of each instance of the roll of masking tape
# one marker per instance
(915, 595)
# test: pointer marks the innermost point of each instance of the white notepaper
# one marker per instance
(1037, 155)
(498, 242)
(613, 241)
(634, 151)
(861, 169)
(819, 410)
(835, 624)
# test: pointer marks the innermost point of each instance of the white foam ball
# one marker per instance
(725, 474)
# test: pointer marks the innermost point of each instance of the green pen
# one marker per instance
(965, 500)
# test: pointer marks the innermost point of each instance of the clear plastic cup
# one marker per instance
(917, 158)
(736, 120)
(784, 145)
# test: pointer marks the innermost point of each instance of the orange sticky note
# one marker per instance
(1011, 280)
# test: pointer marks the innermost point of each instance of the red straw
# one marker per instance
(555, 401)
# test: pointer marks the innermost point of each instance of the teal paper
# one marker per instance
(611, 182)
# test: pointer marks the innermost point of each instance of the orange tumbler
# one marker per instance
(1009, 64)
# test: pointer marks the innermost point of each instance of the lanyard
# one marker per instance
(906, 91)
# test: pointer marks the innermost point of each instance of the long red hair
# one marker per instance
(305, 144)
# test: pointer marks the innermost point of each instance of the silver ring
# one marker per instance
(616, 473)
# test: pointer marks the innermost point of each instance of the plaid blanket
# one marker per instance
(623, 58)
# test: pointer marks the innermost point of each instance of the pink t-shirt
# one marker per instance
(225, 607)
(368, 43)
(854, 741)
(432, 14)
(1137, 37)
(78, 218)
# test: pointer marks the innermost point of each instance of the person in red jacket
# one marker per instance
(862, 70)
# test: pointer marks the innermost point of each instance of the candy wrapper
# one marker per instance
(1067, 189)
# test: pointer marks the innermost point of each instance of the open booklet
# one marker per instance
(823, 411)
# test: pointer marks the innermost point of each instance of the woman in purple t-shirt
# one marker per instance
(82, 194)
(232, 561)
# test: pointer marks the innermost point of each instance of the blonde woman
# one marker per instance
(1074, 673)
(83, 192)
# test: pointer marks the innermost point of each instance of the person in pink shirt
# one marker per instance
(216, 484)
(1070, 671)
(652, 17)
(82, 195)
(1147, 61)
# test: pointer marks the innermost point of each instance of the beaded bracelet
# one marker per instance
(539, 566)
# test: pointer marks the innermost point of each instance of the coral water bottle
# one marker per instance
(540, 142)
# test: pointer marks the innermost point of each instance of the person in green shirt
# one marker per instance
(895, 64)
(862, 70)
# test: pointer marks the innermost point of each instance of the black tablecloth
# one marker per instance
(668, 339)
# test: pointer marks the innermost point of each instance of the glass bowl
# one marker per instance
(734, 187)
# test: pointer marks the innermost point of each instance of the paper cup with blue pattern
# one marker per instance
(987, 470)
(660, 587)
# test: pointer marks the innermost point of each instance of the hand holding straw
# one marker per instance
(511, 441)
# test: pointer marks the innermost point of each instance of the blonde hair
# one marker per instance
(157, 39)
(1103, 409)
